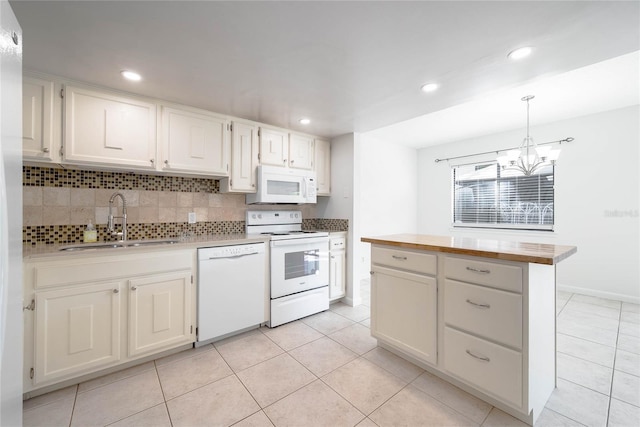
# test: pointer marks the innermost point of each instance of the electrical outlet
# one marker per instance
(192, 217)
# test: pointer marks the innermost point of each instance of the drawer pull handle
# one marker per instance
(483, 358)
(475, 304)
(475, 270)
(401, 258)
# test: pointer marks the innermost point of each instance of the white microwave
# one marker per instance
(283, 185)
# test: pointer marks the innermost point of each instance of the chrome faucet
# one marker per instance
(110, 225)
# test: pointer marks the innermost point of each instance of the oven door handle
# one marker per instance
(299, 242)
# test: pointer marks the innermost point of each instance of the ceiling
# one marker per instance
(348, 66)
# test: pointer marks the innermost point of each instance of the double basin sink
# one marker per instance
(113, 245)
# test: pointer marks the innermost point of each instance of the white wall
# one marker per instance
(341, 205)
(388, 193)
(11, 334)
(597, 174)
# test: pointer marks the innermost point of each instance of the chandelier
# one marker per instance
(529, 157)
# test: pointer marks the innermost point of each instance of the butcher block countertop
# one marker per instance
(537, 253)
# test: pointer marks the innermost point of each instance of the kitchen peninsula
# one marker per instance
(478, 313)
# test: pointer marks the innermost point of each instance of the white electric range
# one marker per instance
(299, 262)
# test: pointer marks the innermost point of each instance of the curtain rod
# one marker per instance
(560, 141)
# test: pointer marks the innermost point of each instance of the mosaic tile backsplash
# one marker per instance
(58, 203)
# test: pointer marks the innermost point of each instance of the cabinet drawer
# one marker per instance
(490, 367)
(492, 313)
(406, 260)
(501, 276)
(337, 243)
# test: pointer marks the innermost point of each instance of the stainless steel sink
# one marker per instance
(114, 245)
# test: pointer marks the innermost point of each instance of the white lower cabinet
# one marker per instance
(486, 325)
(159, 308)
(78, 330)
(94, 312)
(337, 265)
(403, 311)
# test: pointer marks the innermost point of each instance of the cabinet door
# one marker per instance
(337, 263)
(37, 119)
(160, 312)
(403, 311)
(193, 142)
(244, 157)
(105, 129)
(274, 147)
(77, 330)
(300, 151)
(322, 166)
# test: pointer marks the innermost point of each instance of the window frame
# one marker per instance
(515, 226)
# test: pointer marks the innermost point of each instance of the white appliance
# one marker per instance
(283, 185)
(299, 263)
(231, 290)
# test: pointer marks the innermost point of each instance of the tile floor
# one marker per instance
(326, 370)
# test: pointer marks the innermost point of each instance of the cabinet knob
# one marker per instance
(333, 256)
(284, 161)
(115, 291)
(45, 150)
(371, 273)
(133, 288)
(292, 161)
(152, 161)
(166, 162)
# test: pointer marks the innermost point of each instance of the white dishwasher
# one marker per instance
(231, 290)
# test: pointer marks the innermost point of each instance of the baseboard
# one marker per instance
(352, 302)
(599, 294)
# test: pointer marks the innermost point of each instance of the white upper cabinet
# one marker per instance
(300, 151)
(322, 166)
(274, 147)
(106, 129)
(195, 142)
(245, 148)
(38, 142)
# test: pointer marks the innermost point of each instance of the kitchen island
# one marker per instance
(478, 313)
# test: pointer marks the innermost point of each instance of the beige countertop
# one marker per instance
(42, 251)
(538, 253)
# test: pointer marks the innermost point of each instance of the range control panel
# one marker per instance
(273, 217)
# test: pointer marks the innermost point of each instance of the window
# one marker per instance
(486, 196)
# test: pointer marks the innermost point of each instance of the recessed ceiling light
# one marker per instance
(429, 87)
(304, 121)
(520, 53)
(131, 75)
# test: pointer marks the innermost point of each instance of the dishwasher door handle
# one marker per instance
(232, 256)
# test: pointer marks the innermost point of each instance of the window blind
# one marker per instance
(486, 196)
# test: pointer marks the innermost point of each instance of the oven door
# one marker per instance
(298, 265)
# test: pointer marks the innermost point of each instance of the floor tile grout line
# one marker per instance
(615, 355)
(115, 381)
(73, 408)
(586, 339)
(565, 416)
(344, 397)
(586, 360)
(445, 403)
